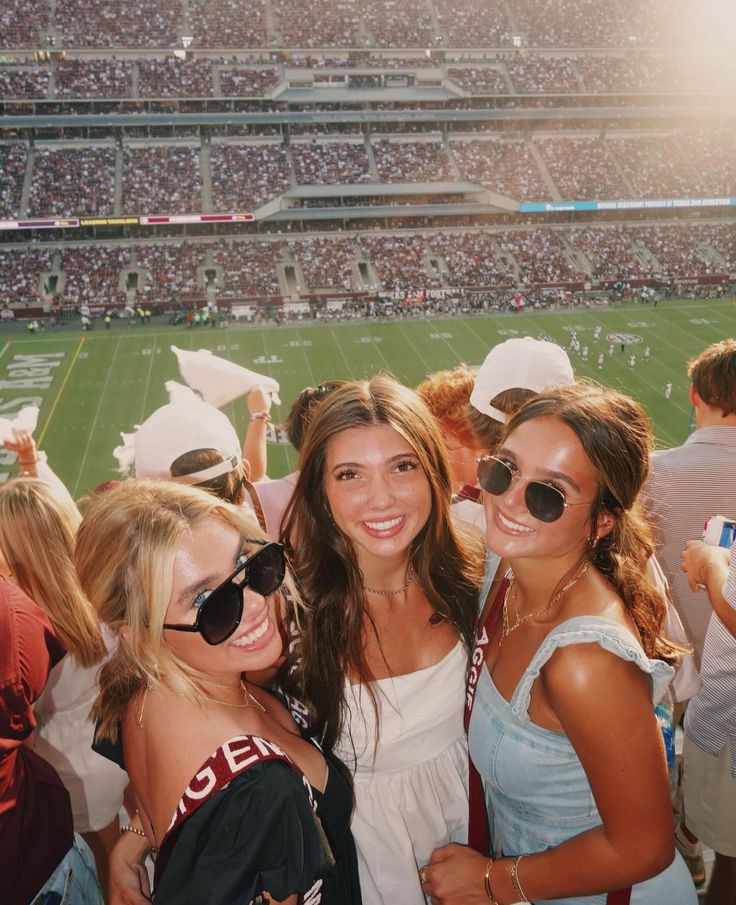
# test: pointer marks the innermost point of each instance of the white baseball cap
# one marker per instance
(176, 429)
(524, 364)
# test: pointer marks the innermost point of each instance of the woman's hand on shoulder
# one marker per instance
(454, 876)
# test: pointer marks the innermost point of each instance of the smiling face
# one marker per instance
(378, 493)
(543, 449)
(208, 553)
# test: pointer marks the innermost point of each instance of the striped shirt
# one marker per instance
(686, 486)
(710, 719)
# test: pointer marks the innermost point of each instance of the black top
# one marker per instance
(260, 834)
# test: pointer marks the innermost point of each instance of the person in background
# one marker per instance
(709, 754)
(37, 532)
(380, 654)
(687, 485)
(275, 494)
(240, 806)
(570, 658)
(446, 394)
(41, 857)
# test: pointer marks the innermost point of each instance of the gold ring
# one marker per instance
(423, 875)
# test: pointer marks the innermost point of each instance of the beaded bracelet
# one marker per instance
(487, 883)
(132, 829)
(515, 878)
(260, 416)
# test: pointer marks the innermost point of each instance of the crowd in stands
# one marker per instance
(248, 269)
(471, 258)
(326, 263)
(400, 261)
(240, 81)
(175, 78)
(13, 159)
(161, 179)
(508, 74)
(316, 23)
(93, 78)
(412, 161)
(172, 272)
(24, 81)
(582, 168)
(543, 75)
(224, 23)
(507, 167)
(93, 274)
(71, 181)
(656, 168)
(326, 163)
(21, 269)
(474, 24)
(133, 24)
(477, 80)
(340, 24)
(388, 25)
(246, 176)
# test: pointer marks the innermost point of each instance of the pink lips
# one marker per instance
(384, 527)
(263, 630)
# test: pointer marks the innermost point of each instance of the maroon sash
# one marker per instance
(478, 818)
(232, 758)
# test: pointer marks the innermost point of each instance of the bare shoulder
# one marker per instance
(587, 678)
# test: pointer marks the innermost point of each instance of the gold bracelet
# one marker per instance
(515, 878)
(487, 883)
(132, 829)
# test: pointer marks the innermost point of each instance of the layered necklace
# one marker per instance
(409, 579)
(507, 626)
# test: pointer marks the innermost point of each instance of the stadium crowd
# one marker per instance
(468, 259)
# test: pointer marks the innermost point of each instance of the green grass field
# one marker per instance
(90, 386)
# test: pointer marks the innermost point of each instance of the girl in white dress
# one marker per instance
(382, 651)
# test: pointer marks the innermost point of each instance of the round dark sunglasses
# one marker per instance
(545, 502)
(220, 614)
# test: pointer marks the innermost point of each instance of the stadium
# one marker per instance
(327, 189)
(309, 162)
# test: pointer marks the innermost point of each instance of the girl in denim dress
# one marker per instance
(563, 731)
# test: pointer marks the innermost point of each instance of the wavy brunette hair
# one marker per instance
(616, 436)
(447, 563)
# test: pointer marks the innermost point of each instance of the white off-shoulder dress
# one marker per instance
(411, 787)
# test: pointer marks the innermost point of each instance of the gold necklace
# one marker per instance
(409, 579)
(248, 700)
(507, 628)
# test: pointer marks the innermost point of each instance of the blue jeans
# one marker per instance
(74, 881)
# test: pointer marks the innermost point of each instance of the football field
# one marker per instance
(91, 386)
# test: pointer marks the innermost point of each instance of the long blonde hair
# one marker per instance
(126, 546)
(37, 532)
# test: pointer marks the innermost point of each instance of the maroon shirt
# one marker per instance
(36, 829)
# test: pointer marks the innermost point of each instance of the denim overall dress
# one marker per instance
(536, 790)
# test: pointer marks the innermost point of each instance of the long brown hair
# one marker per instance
(616, 436)
(447, 563)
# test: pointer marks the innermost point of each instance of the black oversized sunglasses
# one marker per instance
(544, 501)
(220, 614)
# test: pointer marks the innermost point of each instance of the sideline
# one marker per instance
(61, 390)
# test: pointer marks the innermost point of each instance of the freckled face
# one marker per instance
(543, 449)
(208, 554)
(377, 490)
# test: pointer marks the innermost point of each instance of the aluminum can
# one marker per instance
(720, 531)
